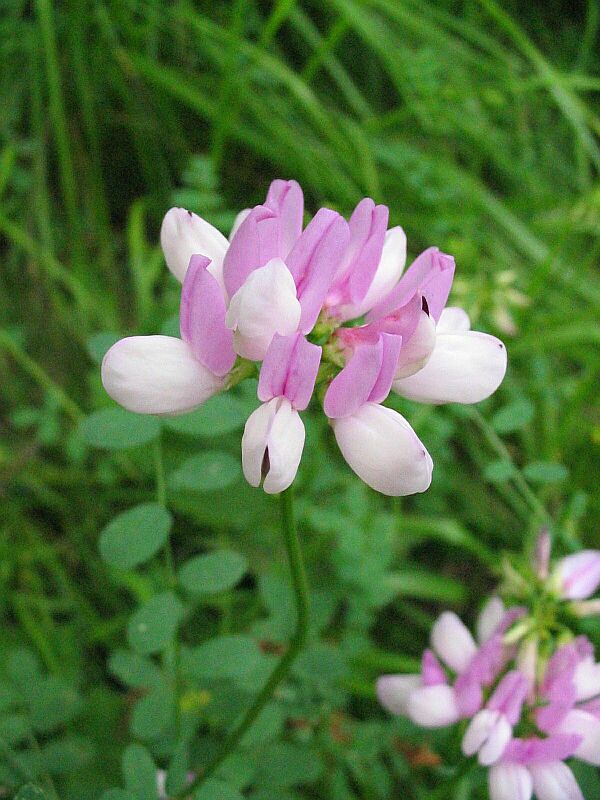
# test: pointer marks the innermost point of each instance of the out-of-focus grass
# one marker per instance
(478, 123)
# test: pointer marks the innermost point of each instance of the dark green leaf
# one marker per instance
(98, 345)
(217, 790)
(133, 669)
(220, 415)
(223, 657)
(499, 471)
(153, 713)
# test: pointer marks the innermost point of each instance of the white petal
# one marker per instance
(156, 375)
(587, 679)
(241, 216)
(496, 743)
(393, 692)
(417, 351)
(264, 305)
(489, 618)
(510, 782)
(452, 641)
(433, 706)
(274, 431)
(554, 781)
(389, 270)
(286, 442)
(183, 235)
(383, 450)
(586, 725)
(478, 731)
(463, 368)
(453, 320)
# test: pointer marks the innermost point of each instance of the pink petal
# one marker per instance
(255, 242)
(432, 672)
(183, 235)
(540, 751)
(289, 370)
(202, 318)
(509, 695)
(313, 262)
(579, 574)
(431, 274)
(287, 200)
(587, 726)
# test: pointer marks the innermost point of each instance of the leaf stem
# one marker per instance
(302, 597)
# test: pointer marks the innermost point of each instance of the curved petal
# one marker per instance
(289, 370)
(433, 706)
(384, 451)
(453, 320)
(272, 445)
(256, 242)
(490, 617)
(579, 574)
(554, 781)
(587, 679)
(584, 724)
(183, 234)
(393, 692)
(452, 641)
(266, 304)
(285, 445)
(202, 319)
(510, 782)
(417, 350)
(387, 275)
(463, 368)
(240, 217)
(157, 375)
(287, 200)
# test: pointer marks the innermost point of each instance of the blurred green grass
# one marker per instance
(478, 123)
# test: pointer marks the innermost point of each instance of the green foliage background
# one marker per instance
(478, 123)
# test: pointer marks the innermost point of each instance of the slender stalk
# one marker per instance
(301, 594)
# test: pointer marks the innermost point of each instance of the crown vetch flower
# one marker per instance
(324, 306)
(523, 725)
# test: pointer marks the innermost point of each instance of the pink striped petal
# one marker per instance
(287, 200)
(202, 318)
(432, 672)
(509, 696)
(313, 262)
(255, 242)
(289, 370)
(367, 377)
(540, 751)
(431, 274)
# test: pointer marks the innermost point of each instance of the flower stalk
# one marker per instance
(302, 600)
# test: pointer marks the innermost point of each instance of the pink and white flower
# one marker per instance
(334, 290)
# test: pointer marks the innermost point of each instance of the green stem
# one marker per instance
(301, 593)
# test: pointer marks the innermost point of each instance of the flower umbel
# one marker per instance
(326, 309)
(527, 689)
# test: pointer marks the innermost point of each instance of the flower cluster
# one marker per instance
(324, 307)
(527, 692)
